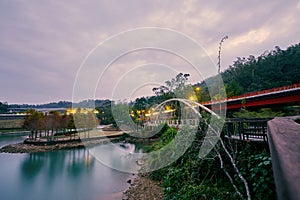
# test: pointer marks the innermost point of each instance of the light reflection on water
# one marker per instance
(64, 174)
(122, 156)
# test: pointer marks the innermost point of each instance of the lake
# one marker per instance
(64, 174)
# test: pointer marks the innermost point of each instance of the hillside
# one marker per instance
(271, 69)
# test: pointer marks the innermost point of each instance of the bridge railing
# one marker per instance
(235, 128)
(284, 143)
(257, 93)
(173, 123)
(246, 129)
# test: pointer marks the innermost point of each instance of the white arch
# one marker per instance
(214, 128)
(188, 103)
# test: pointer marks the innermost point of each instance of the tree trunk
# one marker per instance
(35, 134)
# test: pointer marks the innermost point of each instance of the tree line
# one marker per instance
(47, 124)
(3, 107)
(53, 124)
(271, 69)
(59, 104)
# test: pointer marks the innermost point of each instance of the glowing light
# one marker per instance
(72, 111)
(192, 97)
(168, 108)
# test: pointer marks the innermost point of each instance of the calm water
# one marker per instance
(64, 174)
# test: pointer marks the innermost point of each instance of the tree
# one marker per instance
(3, 107)
(34, 121)
(176, 87)
(104, 113)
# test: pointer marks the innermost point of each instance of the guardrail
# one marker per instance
(284, 143)
(283, 88)
(246, 129)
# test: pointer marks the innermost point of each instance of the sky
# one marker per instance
(45, 45)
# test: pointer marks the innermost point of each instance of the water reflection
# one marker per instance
(63, 174)
(72, 163)
(32, 166)
(75, 163)
(122, 156)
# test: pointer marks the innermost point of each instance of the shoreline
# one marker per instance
(143, 187)
(14, 133)
(31, 148)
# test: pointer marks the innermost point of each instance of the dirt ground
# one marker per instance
(143, 188)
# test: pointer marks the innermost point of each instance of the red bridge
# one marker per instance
(275, 96)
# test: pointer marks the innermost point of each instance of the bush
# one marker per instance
(193, 178)
(256, 166)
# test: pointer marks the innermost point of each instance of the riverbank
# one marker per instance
(14, 133)
(30, 148)
(144, 188)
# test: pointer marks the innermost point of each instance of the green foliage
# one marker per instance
(175, 86)
(163, 128)
(105, 113)
(262, 113)
(193, 178)
(256, 166)
(3, 107)
(233, 89)
(84, 120)
(167, 136)
(190, 177)
(33, 120)
(272, 69)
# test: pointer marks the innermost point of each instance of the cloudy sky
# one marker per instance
(44, 43)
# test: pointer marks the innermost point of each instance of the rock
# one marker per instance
(144, 188)
(140, 162)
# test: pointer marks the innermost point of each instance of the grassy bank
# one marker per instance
(193, 178)
(11, 124)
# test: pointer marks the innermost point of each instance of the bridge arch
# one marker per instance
(214, 126)
(188, 103)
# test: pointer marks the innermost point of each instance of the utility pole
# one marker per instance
(219, 70)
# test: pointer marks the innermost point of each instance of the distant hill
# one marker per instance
(60, 104)
(272, 69)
